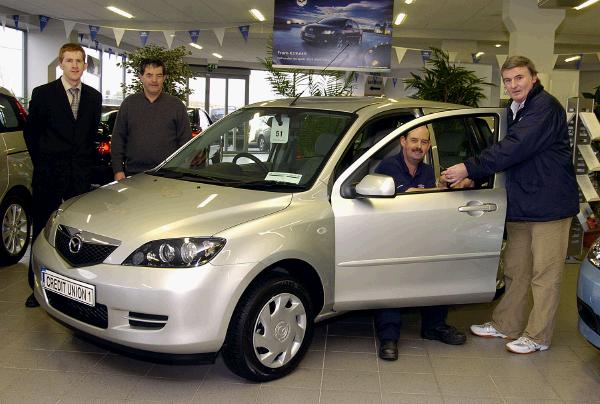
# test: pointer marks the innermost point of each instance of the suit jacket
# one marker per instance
(53, 136)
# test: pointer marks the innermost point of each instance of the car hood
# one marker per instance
(146, 208)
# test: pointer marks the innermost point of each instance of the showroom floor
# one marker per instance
(40, 361)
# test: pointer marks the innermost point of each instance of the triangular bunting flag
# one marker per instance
(43, 22)
(425, 55)
(578, 62)
(144, 37)
(118, 35)
(220, 34)
(501, 59)
(94, 29)
(452, 56)
(394, 82)
(16, 20)
(169, 36)
(194, 35)
(96, 44)
(400, 52)
(81, 38)
(110, 52)
(3, 21)
(244, 30)
(385, 79)
(69, 25)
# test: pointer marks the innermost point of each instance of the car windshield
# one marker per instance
(334, 21)
(273, 149)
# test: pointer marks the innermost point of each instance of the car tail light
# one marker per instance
(104, 147)
(22, 110)
(196, 132)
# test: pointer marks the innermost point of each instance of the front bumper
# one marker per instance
(194, 304)
(588, 302)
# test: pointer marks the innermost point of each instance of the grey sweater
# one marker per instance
(146, 133)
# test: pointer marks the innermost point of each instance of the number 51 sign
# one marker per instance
(280, 129)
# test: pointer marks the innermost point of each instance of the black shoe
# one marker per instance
(31, 301)
(446, 334)
(388, 350)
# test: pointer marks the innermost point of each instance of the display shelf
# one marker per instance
(591, 124)
(589, 156)
(587, 188)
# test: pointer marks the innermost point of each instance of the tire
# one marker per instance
(262, 143)
(15, 231)
(270, 330)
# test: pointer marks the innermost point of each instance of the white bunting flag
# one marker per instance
(169, 36)
(400, 52)
(220, 34)
(119, 32)
(3, 21)
(452, 56)
(69, 25)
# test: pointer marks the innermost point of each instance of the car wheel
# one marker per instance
(15, 230)
(262, 143)
(270, 330)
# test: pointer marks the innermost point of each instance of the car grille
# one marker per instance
(96, 316)
(90, 253)
(588, 316)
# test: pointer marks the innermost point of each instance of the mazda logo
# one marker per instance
(75, 243)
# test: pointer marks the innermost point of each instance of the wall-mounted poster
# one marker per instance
(355, 35)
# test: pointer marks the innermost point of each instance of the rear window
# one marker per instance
(9, 115)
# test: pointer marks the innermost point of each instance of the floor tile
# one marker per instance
(104, 386)
(164, 390)
(576, 388)
(351, 361)
(443, 365)
(350, 329)
(226, 393)
(412, 383)
(407, 363)
(520, 387)
(301, 377)
(313, 360)
(350, 380)
(351, 344)
(193, 373)
(287, 395)
(117, 364)
(402, 398)
(349, 397)
(467, 386)
(471, 400)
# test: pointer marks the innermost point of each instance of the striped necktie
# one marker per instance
(75, 101)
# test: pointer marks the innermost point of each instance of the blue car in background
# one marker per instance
(588, 296)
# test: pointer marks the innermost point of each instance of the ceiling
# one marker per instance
(429, 22)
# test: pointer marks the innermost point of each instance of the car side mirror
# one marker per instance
(376, 185)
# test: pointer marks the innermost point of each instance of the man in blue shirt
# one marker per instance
(411, 174)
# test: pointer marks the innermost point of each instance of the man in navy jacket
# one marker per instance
(542, 199)
(63, 119)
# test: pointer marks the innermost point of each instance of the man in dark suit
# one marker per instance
(63, 118)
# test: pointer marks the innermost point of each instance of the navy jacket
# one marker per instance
(537, 159)
(395, 167)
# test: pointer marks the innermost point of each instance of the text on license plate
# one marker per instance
(75, 290)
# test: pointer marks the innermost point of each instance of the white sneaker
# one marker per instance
(486, 330)
(525, 345)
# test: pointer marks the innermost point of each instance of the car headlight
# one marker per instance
(594, 253)
(176, 252)
(51, 224)
(328, 32)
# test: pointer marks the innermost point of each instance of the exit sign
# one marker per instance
(211, 66)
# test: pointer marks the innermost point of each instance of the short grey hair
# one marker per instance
(519, 61)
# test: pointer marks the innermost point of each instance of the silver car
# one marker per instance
(15, 181)
(218, 249)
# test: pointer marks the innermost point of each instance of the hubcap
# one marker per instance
(14, 229)
(279, 330)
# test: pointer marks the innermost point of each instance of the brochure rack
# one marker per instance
(584, 135)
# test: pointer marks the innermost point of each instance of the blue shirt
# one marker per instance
(395, 167)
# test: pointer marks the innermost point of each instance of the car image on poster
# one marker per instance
(349, 34)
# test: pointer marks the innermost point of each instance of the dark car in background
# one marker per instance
(102, 170)
(336, 31)
(199, 120)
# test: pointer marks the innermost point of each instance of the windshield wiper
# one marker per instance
(267, 184)
(190, 176)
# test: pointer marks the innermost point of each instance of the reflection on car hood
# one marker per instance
(145, 208)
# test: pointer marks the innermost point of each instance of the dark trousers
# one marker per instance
(51, 186)
(389, 321)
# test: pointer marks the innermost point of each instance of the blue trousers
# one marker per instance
(389, 321)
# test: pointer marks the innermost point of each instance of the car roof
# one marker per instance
(354, 104)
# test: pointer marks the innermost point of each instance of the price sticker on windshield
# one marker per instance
(280, 128)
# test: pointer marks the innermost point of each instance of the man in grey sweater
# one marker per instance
(150, 125)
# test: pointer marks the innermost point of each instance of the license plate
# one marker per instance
(79, 291)
(309, 35)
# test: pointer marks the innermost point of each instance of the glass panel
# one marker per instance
(217, 99)
(91, 76)
(112, 77)
(11, 60)
(237, 94)
(300, 142)
(198, 87)
(8, 116)
(260, 88)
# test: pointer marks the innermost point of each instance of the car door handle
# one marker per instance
(484, 207)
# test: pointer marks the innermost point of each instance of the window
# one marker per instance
(91, 76)
(260, 88)
(9, 118)
(11, 60)
(112, 77)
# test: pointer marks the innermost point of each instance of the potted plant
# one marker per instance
(441, 80)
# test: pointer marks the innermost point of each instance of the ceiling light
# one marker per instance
(217, 55)
(399, 18)
(572, 58)
(498, 45)
(119, 11)
(479, 54)
(257, 14)
(408, 1)
(195, 45)
(585, 4)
